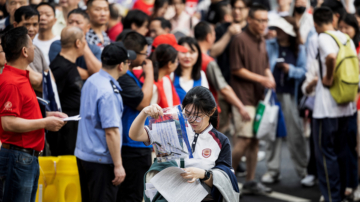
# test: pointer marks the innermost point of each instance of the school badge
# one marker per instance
(206, 153)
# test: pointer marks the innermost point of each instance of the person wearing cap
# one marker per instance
(69, 84)
(287, 58)
(99, 138)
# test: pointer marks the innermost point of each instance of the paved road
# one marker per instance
(288, 189)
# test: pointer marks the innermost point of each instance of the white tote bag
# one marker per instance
(269, 121)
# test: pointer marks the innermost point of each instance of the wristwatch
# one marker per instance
(208, 174)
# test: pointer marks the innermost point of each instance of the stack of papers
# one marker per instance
(174, 188)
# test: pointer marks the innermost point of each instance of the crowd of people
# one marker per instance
(115, 65)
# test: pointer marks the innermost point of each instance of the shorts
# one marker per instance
(244, 129)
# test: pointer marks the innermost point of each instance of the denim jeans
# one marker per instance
(19, 175)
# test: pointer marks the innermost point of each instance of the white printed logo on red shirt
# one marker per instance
(206, 153)
(8, 106)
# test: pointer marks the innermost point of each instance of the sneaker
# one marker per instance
(253, 187)
(308, 181)
(322, 199)
(240, 171)
(267, 178)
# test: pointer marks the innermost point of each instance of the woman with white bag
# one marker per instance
(287, 60)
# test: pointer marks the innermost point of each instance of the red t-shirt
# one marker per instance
(141, 5)
(115, 31)
(17, 98)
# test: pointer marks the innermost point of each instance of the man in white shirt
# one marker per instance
(334, 125)
(45, 38)
(61, 16)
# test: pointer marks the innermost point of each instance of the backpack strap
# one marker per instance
(337, 40)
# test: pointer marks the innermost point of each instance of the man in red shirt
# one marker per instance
(22, 125)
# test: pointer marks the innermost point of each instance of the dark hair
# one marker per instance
(172, 2)
(114, 11)
(335, 6)
(134, 41)
(13, 41)
(295, 42)
(27, 12)
(217, 12)
(80, 12)
(256, 7)
(350, 20)
(201, 30)
(358, 11)
(196, 71)
(164, 22)
(323, 15)
(46, 4)
(247, 3)
(203, 102)
(158, 4)
(356, 4)
(135, 16)
(162, 55)
(89, 3)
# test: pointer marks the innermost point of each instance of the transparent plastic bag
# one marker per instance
(169, 136)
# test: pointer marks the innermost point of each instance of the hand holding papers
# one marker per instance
(175, 188)
(72, 118)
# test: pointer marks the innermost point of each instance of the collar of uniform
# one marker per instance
(207, 129)
(16, 70)
(107, 75)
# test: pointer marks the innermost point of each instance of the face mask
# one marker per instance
(300, 9)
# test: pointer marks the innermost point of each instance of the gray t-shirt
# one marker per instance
(39, 64)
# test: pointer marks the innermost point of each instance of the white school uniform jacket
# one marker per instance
(211, 148)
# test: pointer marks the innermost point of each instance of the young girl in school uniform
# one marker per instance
(211, 149)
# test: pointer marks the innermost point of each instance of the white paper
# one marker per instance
(72, 118)
(174, 188)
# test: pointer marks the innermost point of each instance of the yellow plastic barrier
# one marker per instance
(59, 180)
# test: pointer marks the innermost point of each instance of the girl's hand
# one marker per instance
(193, 174)
(154, 111)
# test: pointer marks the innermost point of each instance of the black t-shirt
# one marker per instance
(284, 84)
(223, 59)
(131, 93)
(68, 82)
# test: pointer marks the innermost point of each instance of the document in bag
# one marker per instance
(174, 188)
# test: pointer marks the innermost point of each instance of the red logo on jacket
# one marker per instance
(206, 153)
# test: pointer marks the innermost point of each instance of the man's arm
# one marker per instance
(231, 98)
(330, 62)
(83, 73)
(92, 63)
(147, 88)
(222, 43)
(35, 79)
(20, 125)
(113, 143)
(248, 75)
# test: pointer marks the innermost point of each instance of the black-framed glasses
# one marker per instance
(261, 21)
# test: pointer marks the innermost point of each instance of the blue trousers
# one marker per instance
(335, 144)
(19, 175)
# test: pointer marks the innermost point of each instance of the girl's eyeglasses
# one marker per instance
(193, 119)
